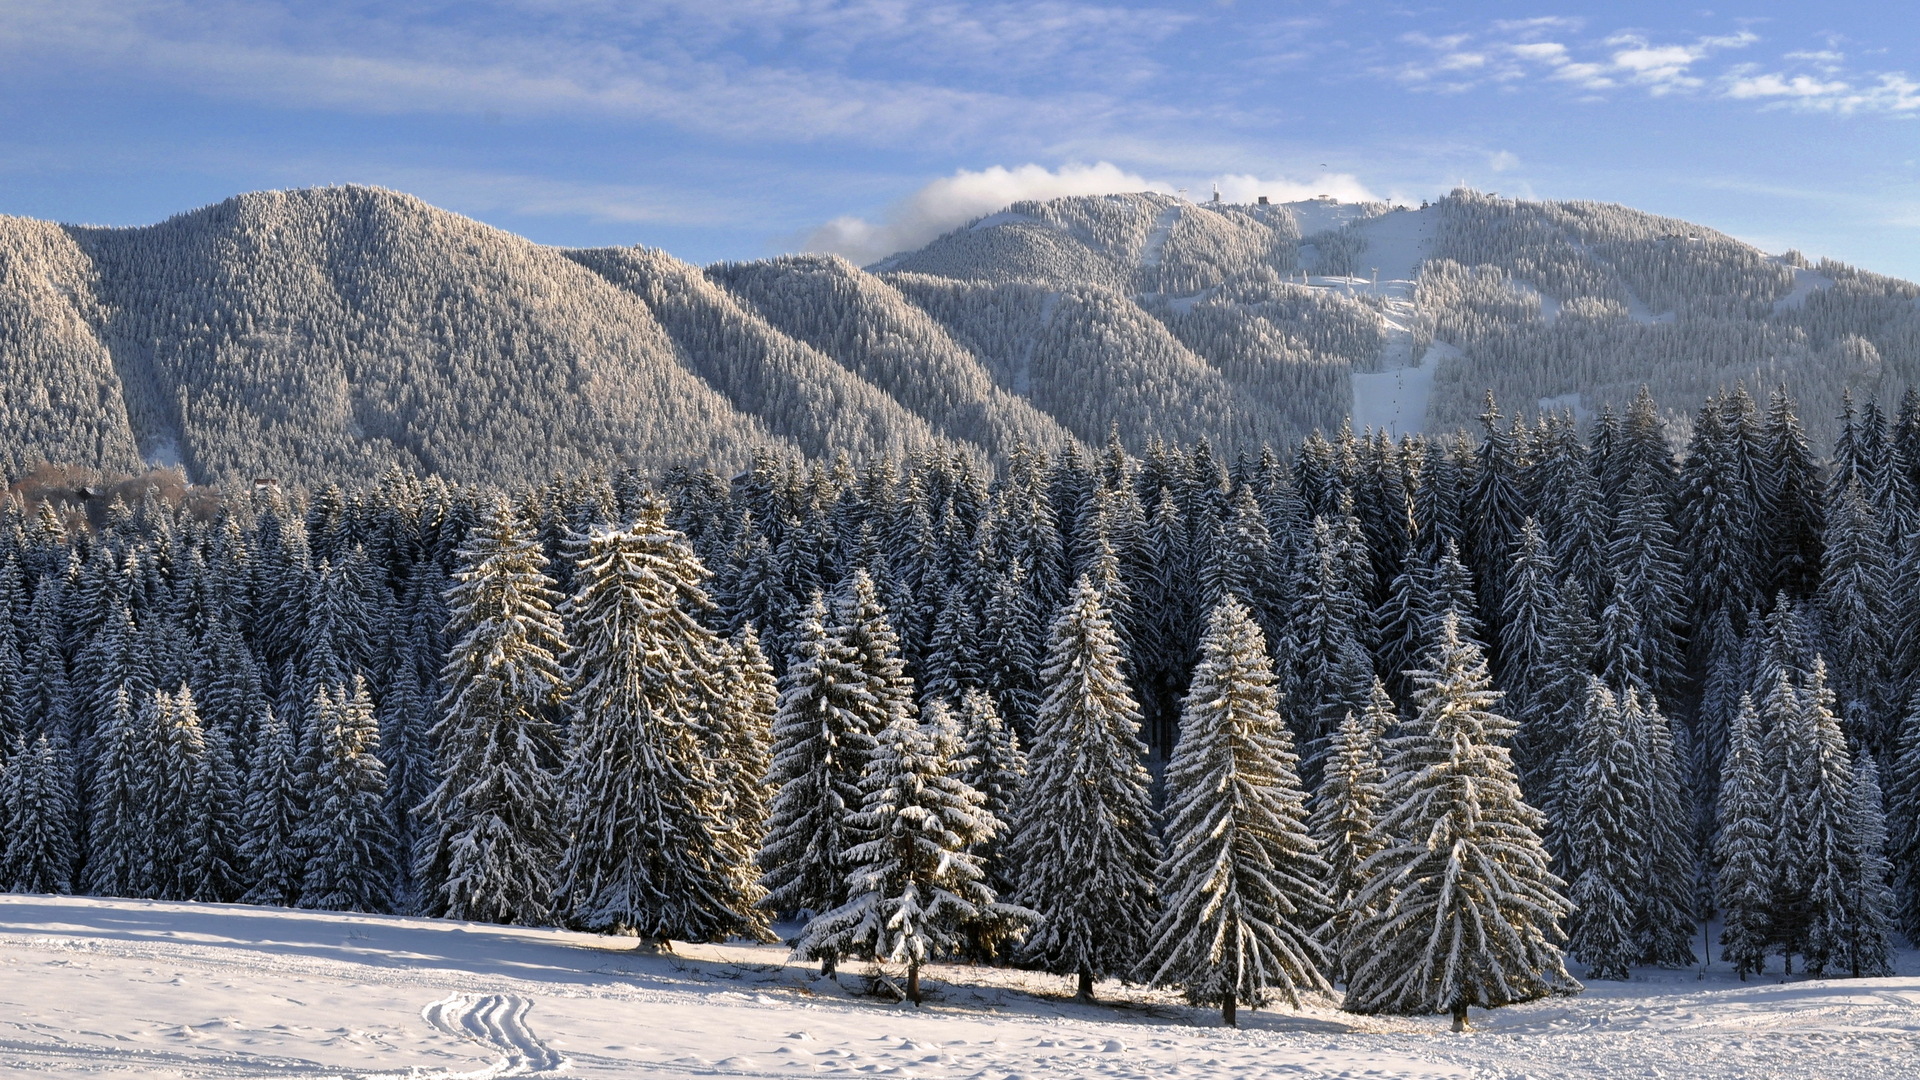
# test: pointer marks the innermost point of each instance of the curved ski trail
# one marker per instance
(498, 1021)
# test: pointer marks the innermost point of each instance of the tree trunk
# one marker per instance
(1460, 1015)
(1085, 993)
(829, 960)
(1228, 1015)
(913, 981)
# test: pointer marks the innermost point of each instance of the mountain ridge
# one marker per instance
(325, 333)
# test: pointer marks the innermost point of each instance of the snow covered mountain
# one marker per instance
(317, 335)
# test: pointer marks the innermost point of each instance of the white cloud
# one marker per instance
(1513, 51)
(952, 201)
(1774, 85)
(1666, 68)
(1894, 93)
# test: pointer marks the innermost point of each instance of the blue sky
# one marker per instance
(738, 128)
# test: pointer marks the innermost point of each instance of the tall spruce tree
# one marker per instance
(1084, 843)
(1794, 518)
(1744, 848)
(1346, 809)
(1788, 751)
(745, 747)
(270, 816)
(1903, 823)
(1244, 887)
(1648, 586)
(651, 850)
(1846, 921)
(175, 748)
(1543, 746)
(1606, 837)
(343, 835)
(1857, 614)
(1009, 662)
(1467, 911)
(213, 870)
(117, 820)
(1718, 516)
(40, 850)
(995, 766)
(823, 736)
(1330, 673)
(1664, 922)
(491, 826)
(1867, 952)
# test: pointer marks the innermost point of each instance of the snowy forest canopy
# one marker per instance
(946, 712)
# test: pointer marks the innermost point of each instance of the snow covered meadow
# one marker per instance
(144, 988)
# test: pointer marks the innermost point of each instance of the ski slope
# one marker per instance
(137, 989)
(1393, 398)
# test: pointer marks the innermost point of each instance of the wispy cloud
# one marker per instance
(727, 69)
(1517, 51)
(1551, 50)
(952, 201)
(1876, 93)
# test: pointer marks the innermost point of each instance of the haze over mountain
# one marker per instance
(321, 334)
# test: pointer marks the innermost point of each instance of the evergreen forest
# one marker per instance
(1436, 722)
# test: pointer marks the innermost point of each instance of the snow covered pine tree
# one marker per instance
(1243, 883)
(652, 850)
(1085, 845)
(1465, 909)
(493, 830)
(915, 887)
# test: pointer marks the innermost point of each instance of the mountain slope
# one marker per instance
(788, 385)
(60, 393)
(326, 333)
(322, 334)
(871, 329)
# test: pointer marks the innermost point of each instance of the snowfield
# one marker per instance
(138, 988)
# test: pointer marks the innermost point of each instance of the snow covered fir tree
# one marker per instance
(1214, 718)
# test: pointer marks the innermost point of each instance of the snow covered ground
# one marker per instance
(132, 988)
(1395, 400)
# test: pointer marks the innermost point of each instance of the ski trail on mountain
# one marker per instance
(497, 1021)
(1155, 247)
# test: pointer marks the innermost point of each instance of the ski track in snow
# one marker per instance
(146, 989)
(499, 1022)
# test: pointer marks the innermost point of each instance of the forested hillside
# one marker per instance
(323, 334)
(1598, 690)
